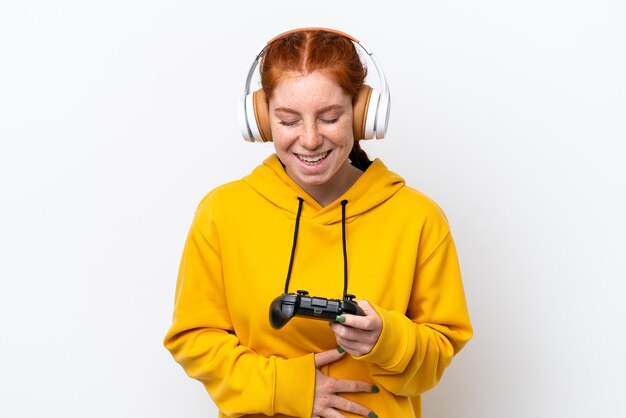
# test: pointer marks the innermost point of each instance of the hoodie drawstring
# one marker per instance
(343, 239)
(293, 246)
(345, 251)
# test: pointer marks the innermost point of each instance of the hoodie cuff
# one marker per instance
(295, 386)
(395, 347)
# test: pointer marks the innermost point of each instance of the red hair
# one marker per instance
(307, 51)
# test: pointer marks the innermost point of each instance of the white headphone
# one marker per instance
(371, 106)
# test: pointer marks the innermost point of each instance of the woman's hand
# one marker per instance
(358, 334)
(327, 402)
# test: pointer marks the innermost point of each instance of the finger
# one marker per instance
(327, 357)
(355, 348)
(370, 322)
(355, 341)
(350, 386)
(331, 413)
(358, 322)
(354, 334)
(350, 406)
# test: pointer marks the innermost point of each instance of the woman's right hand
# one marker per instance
(327, 401)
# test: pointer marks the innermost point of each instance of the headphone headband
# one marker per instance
(313, 29)
(376, 107)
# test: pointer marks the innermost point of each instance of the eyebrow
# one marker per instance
(322, 110)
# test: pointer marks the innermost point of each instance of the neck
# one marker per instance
(324, 194)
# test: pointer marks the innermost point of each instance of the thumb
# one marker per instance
(327, 357)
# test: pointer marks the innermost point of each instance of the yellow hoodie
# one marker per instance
(401, 258)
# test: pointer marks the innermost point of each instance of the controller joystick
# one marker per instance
(288, 305)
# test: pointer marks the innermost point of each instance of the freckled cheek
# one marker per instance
(282, 146)
(341, 138)
(277, 130)
(283, 138)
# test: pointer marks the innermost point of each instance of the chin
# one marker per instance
(313, 180)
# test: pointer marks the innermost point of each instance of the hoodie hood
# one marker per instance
(376, 185)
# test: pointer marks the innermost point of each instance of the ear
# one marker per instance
(360, 108)
(262, 115)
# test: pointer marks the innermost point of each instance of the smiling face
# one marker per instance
(311, 123)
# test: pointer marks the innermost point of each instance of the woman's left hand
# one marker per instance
(358, 334)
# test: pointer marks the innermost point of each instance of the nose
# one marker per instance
(311, 138)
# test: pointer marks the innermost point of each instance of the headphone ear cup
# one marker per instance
(382, 114)
(365, 110)
(242, 119)
(262, 115)
(360, 112)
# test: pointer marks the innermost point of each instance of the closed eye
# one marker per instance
(288, 123)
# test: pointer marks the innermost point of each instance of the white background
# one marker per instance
(116, 118)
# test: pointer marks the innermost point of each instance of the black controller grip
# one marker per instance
(288, 305)
(351, 307)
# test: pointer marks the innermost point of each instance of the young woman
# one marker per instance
(347, 215)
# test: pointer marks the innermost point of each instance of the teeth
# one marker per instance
(312, 160)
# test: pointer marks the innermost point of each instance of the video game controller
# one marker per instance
(288, 305)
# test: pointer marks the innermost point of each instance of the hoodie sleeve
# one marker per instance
(201, 339)
(413, 350)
